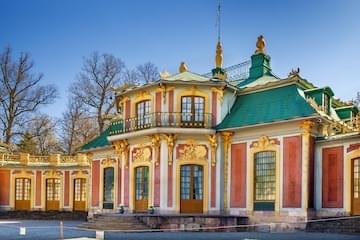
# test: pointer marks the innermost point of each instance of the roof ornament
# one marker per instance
(260, 44)
(294, 72)
(183, 67)
(219, 55)
(164, 74)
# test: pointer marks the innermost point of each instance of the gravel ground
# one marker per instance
(39, 230)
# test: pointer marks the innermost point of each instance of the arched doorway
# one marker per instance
(355, 186)
(79, 194)
(108, 194)
(141, 188)
(52, 194)
(264, 181)
(22, 193)
(191, 188)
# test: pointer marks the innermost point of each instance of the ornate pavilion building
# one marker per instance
(200, 144)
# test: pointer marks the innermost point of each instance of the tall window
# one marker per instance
(143, 114)
(23, 187)
(265, 180)
(192, 111)
(53, 189)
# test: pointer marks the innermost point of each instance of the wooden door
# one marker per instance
(191, 189)
(355, 187)
(79, 194)
(22, 193)
(52, 194)
(141, 189)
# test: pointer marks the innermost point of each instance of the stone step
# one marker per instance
(114, 222)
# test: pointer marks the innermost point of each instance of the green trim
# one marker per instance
(277, 104)
(100, 141)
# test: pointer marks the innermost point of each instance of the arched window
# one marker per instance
(265, 181)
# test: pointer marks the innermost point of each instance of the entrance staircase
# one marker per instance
(114, 222)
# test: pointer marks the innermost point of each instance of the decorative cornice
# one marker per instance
(264, 142)
(193, 151)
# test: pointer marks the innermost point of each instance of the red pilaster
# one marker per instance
(38, 188)
(238, 176)
(95, 183)
(214, 108)
(213, 187)
(119, 185)
(332, 177)
(5, 187)
(66, 188)
(292, 172)
(170, 186)
(126, 187)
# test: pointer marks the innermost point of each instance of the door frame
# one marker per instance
(352, 184)
(22, 174)
(132, 193)
(61, 195)
(103, 187)
(349, 156)
(205, 165)
(134, 183)
(73, 193)
(192, 181)
(23, 191)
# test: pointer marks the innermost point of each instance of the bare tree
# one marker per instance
(43, 131)
(100, 73)
(77, 127)
(20, 92)
(147, 72)
(131, 77)
(357, 99)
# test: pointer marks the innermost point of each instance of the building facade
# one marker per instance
(264, 147)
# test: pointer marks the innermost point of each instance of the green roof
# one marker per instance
(100, 141)
(278, 104)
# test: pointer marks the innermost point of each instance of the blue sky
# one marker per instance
(322, 37)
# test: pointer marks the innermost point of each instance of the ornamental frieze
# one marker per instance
(264, 142)
(192, 151)
(141, 154)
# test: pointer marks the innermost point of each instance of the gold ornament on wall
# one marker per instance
(193, 151)
(142, 154)
(170, 139)
(264, 142)
(213, 146)
(122, 150)
(155, 143)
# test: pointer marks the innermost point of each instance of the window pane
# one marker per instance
(265, 176)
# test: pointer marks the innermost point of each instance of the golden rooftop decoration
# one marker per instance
(164, 74)
(183, 67)
(219, 55)
(260, 44)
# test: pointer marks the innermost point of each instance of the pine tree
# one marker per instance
(27, 144)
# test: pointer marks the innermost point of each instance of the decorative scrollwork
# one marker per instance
(193, 151)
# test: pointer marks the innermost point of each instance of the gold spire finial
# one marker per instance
(219, 55)
(260, 44)
(183, 67)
